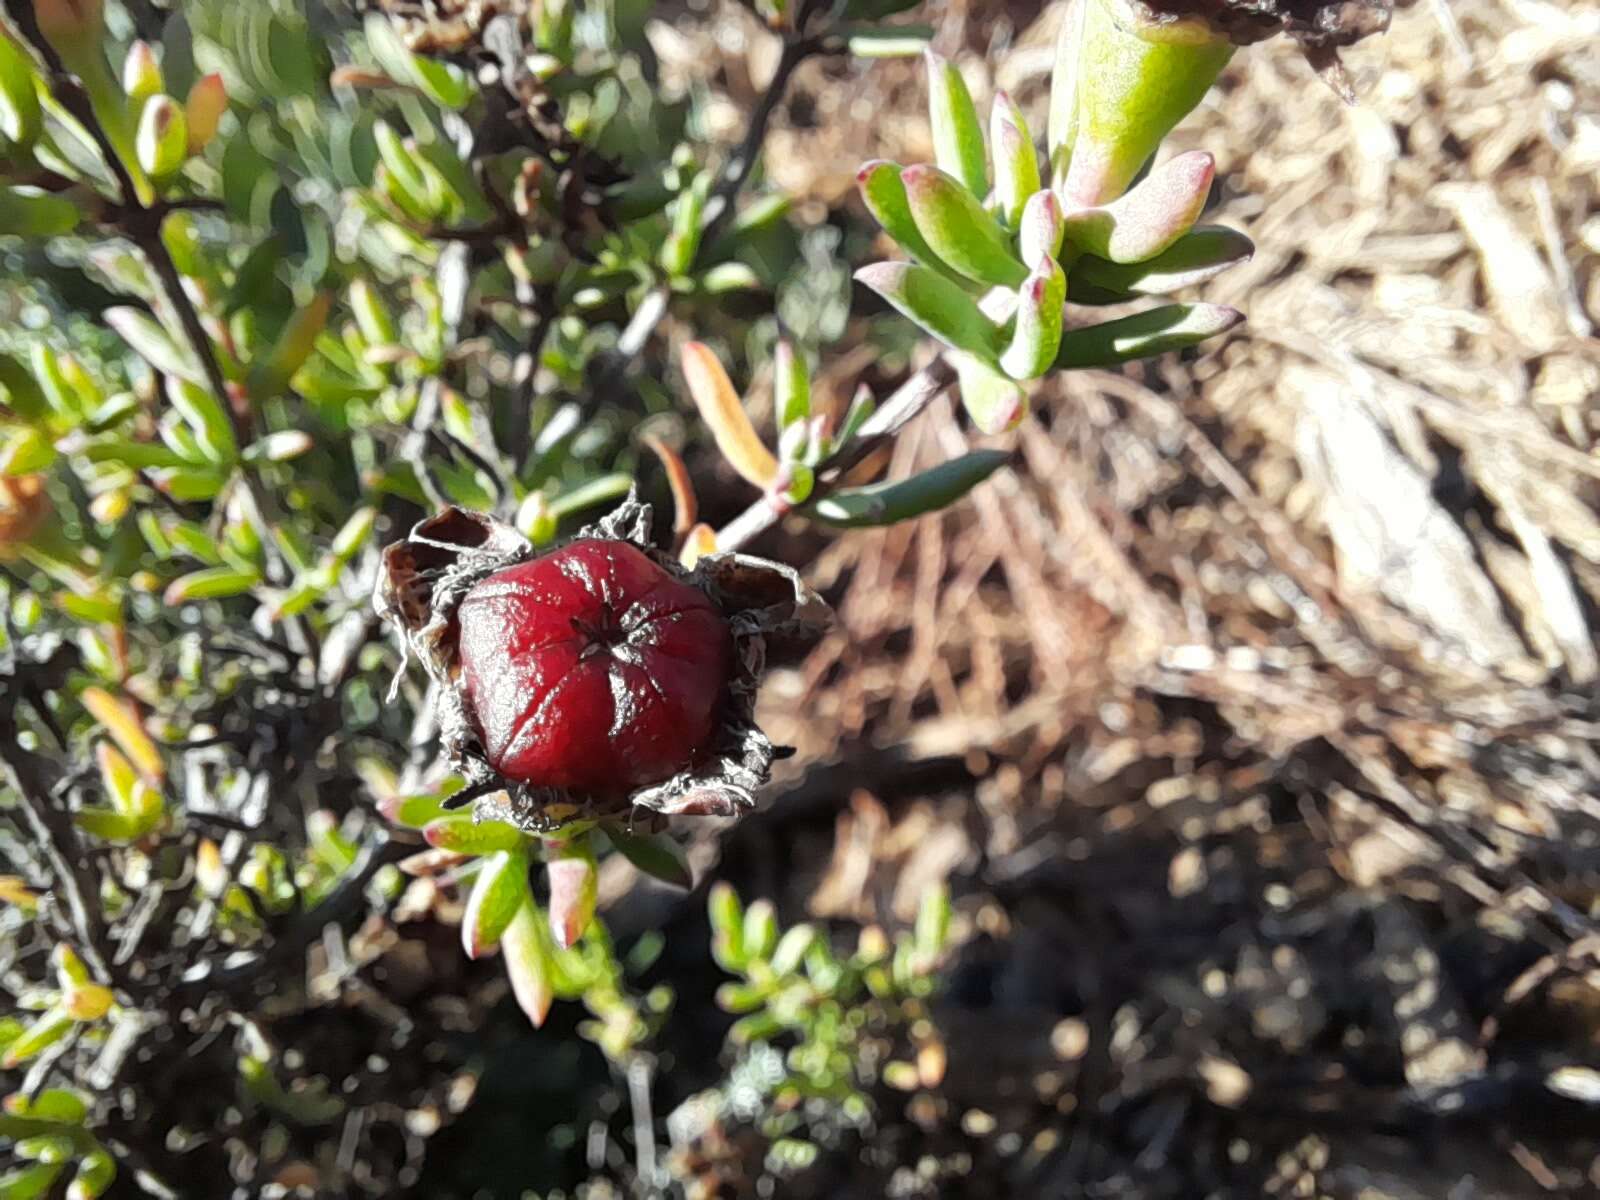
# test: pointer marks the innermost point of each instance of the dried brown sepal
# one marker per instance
(769, 609)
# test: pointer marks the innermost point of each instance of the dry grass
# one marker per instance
(1272, 673)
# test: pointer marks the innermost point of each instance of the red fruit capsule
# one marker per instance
(592, 668)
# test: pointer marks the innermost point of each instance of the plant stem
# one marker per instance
(720, 206)
(908, 400)
(30, 776)
(736, 172)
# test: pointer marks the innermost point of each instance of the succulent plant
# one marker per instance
(1000, 242)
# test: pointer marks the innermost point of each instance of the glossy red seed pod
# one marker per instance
(592, 668)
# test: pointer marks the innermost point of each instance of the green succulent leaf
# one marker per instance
(574, 882)
(1148, 219)
(461, 834)
(956, 226)
(957, 133)
(499, 891)
(45, 1031)
(442, 82)
(884, 194)
(1016, 163)
(791, 397)
(530, 962)
(937, 305)
(211, 583)
(727, 928)
(1199, 255)
(995, 402)
(31, 212)
(932, 490)
(890, 41)
(656, 854)
(20, 115)
(29, 1183)
(1036, 337)
(1170, 327)
(152, 343)
(1115, 95)
(61, 1106)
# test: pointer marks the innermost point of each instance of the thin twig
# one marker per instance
(346, 899)
(721, 205)
(33, 780)
(736, 172)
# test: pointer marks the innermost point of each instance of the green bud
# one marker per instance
(163, 138)
(528, 962)
(141, 76)
(958, 229)
(574, 882)
(1037, 336)
(936, 304)
(957, 135)
(203, 109)
(791, 386)
(1016, 163)
(1121, 83)
(1041, 228)
(1154, 215)
(499, 891)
